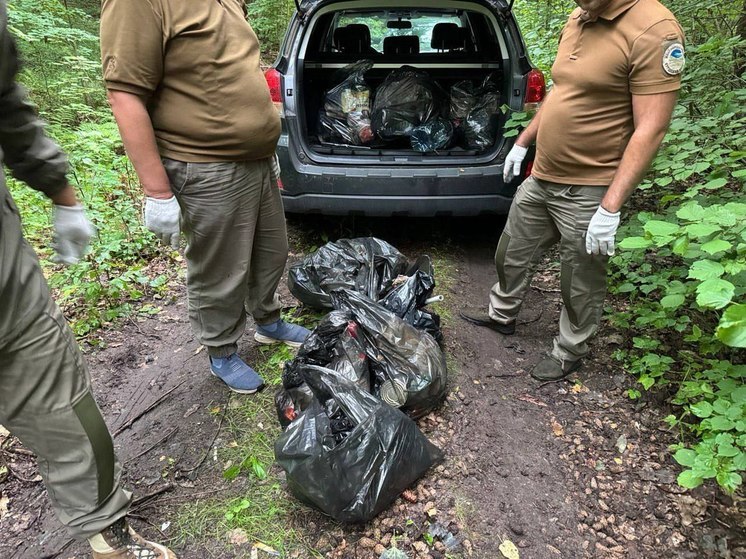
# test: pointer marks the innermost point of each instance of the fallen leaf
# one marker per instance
(577, 388)
(410, 496)
(432, 512)
(621, 444)
(618, 461)
(557, 429)
(509, 550)
(266, 549)
(4, 506)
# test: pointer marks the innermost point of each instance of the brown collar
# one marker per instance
(612, 11)
(617, 8)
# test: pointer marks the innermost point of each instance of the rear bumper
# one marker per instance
(386, 206)
(351, 188)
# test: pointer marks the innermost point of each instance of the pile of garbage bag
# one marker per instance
(410, 107)
(349, 454)
(371, 366)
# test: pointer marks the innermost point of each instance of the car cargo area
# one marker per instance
(397, 82)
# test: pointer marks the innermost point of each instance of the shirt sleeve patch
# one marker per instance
(673, 58)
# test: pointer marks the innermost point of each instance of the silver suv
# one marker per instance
(452, 43)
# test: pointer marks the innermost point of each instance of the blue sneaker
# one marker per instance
(236, 374)
(281, 331)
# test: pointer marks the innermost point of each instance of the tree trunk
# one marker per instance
(741, 30)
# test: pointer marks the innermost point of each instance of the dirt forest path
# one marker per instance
(563, 470)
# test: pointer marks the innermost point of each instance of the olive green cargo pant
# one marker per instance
(46, 401)
(544, 213)
(237, 246)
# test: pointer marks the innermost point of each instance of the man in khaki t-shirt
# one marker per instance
(616, 77)
(198, 123)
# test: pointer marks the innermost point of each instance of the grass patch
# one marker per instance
(263, 509)
(445, 279)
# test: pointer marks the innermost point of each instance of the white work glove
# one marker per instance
(72, 231)
(601, 231)
(274, 168)
(162, 218)
(512, 167)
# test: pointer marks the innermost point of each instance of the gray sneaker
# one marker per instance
(281, 332)
(236, 374)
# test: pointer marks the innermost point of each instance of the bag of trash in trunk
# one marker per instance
(408, 368)
(366, 264)
(349, 454)
(405, 100)
(345, 113)
(481, 124)
(433, 135)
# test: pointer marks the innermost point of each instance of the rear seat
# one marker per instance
(407, 44)
(449, 37)
(353, 39)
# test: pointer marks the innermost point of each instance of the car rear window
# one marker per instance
(382, 24)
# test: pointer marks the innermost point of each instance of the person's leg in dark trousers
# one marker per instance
(528, 233)
(46, 401)
(582, 275)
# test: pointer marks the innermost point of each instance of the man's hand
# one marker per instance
(162, 218)
(512, 167)
(601, 232)
(72, 232)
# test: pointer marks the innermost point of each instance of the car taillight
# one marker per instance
(274, 82)
(529, 168)
(536, 89)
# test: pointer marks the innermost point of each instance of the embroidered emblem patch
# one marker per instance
(674, 59)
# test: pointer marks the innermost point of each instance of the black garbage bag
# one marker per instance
(433, 135)
(481, 124)
(345, 114)
(407, 366)
(367, 265)
(354, 463)
(406, 299)
(405, 100)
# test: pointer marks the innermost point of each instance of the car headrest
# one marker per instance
(352, 39)
(407, 44)
(449, 36)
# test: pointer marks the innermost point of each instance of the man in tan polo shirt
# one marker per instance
(198, 123)
(616, 78)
